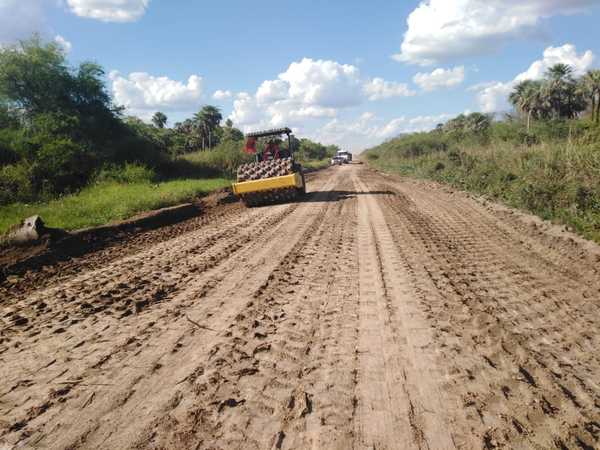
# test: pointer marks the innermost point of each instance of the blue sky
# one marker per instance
(348, 72)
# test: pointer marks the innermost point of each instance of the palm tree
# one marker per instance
(562, 92)
(560, 72)
(527, 97)
(207, 120)
(591, 84)
(159, 120)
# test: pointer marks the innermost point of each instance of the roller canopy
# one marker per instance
(265, 133)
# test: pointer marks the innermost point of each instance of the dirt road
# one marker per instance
(377, 314)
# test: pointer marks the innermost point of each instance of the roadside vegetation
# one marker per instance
(109, 201)
(544, 158)
(68, 153)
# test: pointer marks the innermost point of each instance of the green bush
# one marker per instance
(556, 179)
(411, 146)
(61, 166)
(225, 158)
(129, 173)
(10, 141)
(132, 148)
(15, 183)
(7, 155)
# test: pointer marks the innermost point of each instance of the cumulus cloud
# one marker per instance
(63, 43)
(368, 130)
(309, 90)
(142, 94)
(493, 96)
(246, 112)
(442, 30)
(109, 10)
(378, 89)
(324, 83)
(440, 78)
(222, 95)
(19, 19)
(566, 54)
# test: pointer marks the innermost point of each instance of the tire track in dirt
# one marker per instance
(98, 251)
(126, 339)
(500, 312)
(399, 391)
(377, 314)
(259, 391)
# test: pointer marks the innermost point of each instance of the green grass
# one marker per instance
(108, 201)
(121, 192)
(558, 181)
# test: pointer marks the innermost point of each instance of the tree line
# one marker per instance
(552, 105)
(59, 125)
(559, 95)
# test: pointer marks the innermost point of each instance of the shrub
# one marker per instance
(61, 166)
(132, 148)
(555, 178)
(9, 137)
(225, 158)
(7, 155)
(15, 183)
(129, 173)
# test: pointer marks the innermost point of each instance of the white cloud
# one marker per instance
(567, 54)
(378, 89)
(246, 112)
(19, 19)
(109, 10)
(440, 78)
(493, 96)
(307, 91)
(368, 130)
(442, 30)
(272, 91)
(222, 95)
(63, 43)
(142, 94)
(324, 83)
(312, 95)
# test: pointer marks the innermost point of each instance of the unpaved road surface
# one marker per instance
(377, 314)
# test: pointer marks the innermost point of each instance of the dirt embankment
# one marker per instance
(378, 313)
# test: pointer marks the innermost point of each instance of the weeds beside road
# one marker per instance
(109, 201)
(122, 192)
(556, 178)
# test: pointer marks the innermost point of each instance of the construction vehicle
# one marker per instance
(274, 176)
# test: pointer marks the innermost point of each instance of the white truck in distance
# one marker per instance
(341, 157)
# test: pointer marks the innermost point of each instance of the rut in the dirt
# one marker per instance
(378, 313)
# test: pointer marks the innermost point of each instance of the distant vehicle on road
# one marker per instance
(336, 161)
(345, 156)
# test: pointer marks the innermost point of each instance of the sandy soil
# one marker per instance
(377, 314)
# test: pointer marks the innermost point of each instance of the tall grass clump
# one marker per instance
(225, 159)
(554, 171)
